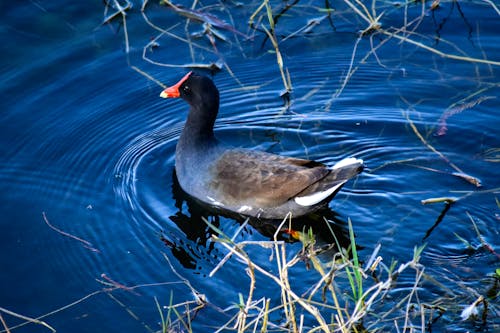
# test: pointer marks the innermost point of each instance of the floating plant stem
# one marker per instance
(148, 76)
(448, 200)
(85, 243)
(285, 76)
(441, 53)
(28, 319)
(459, 173)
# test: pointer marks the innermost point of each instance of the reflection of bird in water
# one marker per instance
(325, 225)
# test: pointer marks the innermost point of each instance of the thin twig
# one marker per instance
(28, 319)
(118, 285)
(149, 77)
(4, 324)
(440, 53)
(460, 173)
(86, 243)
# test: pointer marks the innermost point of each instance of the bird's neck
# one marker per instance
(199, 127)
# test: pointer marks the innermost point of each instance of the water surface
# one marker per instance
(86, 140)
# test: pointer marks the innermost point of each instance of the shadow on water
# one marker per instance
(192, 216)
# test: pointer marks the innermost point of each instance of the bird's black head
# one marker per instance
(203, 98)
(198, 90)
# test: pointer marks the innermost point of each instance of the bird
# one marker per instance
(242, 181)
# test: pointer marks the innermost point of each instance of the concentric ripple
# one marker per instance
(128, 176)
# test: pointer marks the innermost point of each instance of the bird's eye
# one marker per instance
(186, 89)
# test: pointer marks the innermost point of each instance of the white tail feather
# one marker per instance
(346, 162)
(315, 198)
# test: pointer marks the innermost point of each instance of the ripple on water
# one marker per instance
(144, 150)
(62, 153)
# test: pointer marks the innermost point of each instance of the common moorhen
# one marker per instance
(244, 181)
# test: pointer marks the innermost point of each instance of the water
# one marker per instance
(86, 139)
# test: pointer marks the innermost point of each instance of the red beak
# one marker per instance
(173, 91)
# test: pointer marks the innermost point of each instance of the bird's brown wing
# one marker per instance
(263, 179)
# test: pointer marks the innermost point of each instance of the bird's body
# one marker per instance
(243, 181)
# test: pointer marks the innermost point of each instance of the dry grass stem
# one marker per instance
(289, 294)
(86, 243)
(148, 76)
(26, 318)
(492, 4)
(441, 53)
(254, 313)
(4, 324)
(473, 180)
(284, 77)
(448, 200)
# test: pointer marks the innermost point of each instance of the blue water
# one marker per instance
(86, 140)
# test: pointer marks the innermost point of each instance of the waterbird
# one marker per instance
(244, 181)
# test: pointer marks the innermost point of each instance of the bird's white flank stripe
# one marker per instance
(310, 200)
(313, 199)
